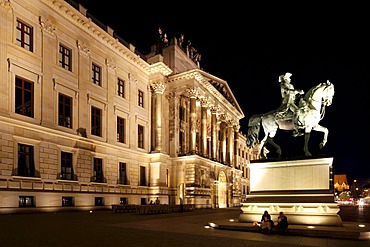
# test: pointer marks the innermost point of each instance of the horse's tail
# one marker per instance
(253, 130)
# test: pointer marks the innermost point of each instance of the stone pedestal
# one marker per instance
(302, 189)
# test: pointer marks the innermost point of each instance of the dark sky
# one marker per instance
(249, 46)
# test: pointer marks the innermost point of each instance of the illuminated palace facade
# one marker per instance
(86, 121)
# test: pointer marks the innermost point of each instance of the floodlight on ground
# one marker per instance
(212, 224)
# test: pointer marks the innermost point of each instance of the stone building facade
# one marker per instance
(86, 121)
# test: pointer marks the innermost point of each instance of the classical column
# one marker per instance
(230, 142)
(193, 93)
(214, 132)
(204, 104)
(158, 89)
(223, 127)
(236, 145)
(174, 123)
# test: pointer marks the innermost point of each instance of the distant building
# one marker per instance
(86, 121)
(340, 182)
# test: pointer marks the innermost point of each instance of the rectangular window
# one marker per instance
(24, 36)
(122, 173)
(96, 118)
(143, 176)
(67, 201)
(121, 88)
(123, 200)
(66, 166)
(65, 111)
(98, 170)
(143, 201)
(26, 163)
(99, 201)
(140, 136)
(26, 201)
(96, 74)
(120, 129)
(140, 98)
(24, 91)
(65, 57)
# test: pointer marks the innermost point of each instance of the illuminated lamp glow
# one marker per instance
(231, 220)
(361, 225)
(310, 227)
(212, 224)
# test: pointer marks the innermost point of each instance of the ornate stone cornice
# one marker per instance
(80, 20)
(204, 79)
(192, 74)
(160, 68)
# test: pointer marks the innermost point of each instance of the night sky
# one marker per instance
(250, 45)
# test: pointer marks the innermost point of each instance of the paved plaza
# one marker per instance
(105, 229)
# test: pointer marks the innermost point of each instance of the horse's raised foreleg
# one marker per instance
(326, 133)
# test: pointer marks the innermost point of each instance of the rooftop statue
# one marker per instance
(302, 117)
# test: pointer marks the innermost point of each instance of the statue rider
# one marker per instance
(289, 95)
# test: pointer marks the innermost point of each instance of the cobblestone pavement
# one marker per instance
(105, 229)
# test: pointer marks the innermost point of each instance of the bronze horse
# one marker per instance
(311, 109)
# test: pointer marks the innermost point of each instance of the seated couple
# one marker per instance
(267, 223)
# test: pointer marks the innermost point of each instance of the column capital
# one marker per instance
(158, 87)
(203, 101)
(230, 122)
(214, 109)
(223, 117)
(237, 127)
(193, 92)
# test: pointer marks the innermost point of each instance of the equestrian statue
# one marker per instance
(302, 117)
